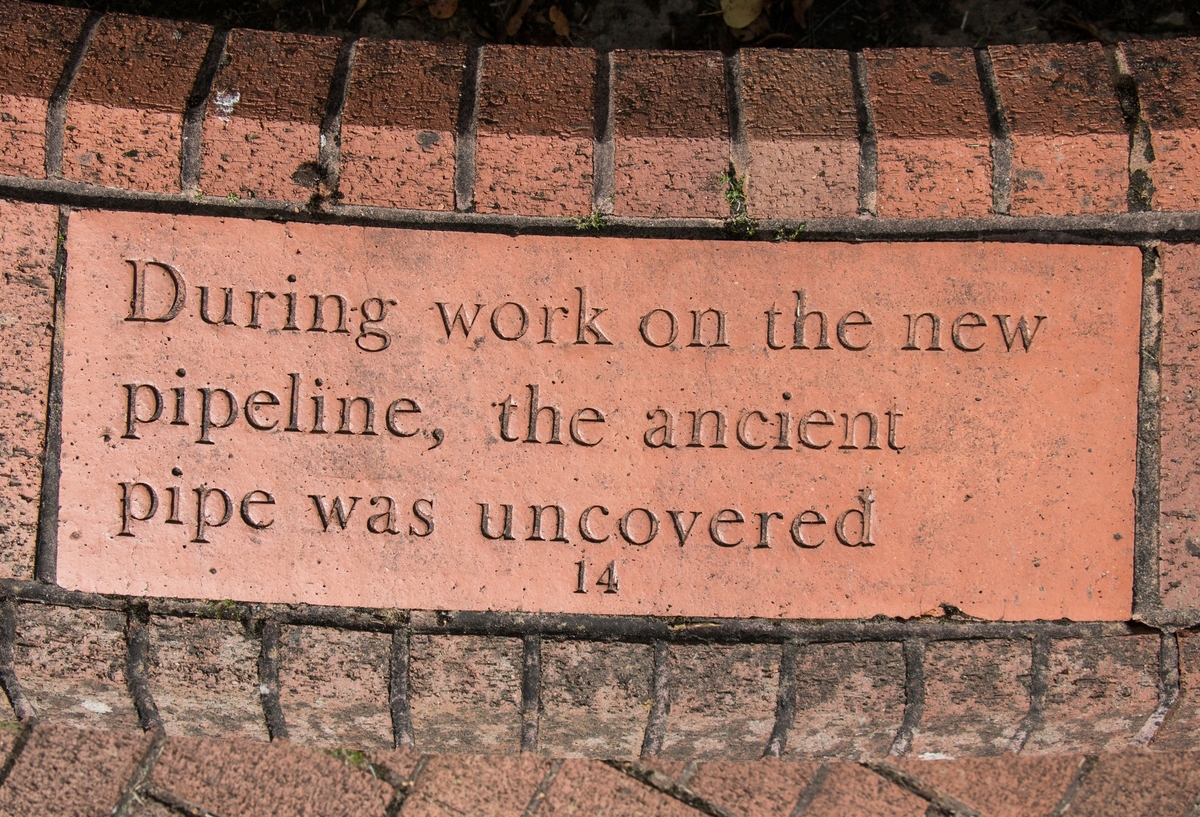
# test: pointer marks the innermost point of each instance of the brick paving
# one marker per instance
(53, 769)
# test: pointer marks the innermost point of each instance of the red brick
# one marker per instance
(595, 698)
(1181, 729)
(1139, 783)
(37, 44)
(976, 694)
(1169, 91)
(533, 151)
(934, 144)
(65, 770)
(1179, 431)
(204, 678)
(124, 122)
(1101, 692)
(263, 126)
(27, 246)
(232, 777)
(802, 134)
(71, 665)
(1004, 786)
(767, 788)
(1070, 149)
(671, 134)
(852, 789)
(399, 125)
(585, 787)
(723, 700)
(465, 693)
(849, 700)
(333, 686)
(475, 784)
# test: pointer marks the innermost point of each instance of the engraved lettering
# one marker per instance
(203, 520)
(680, 531)
(588, 324)
(865, 521)
(462, 319)
(485, 522)
(967, 320)
(764, 533)
(585, 529)
(662, 435)
(560, 521)
(1010, 335)
(698, 428)
(625, 524)
(935, 333)
(802, 519)
(522, 322)
(127, 511)
(698, 326)
(340, 513)
(814, 418)
(137, 302)
(672, 329)
(248, 502)
(132, 390)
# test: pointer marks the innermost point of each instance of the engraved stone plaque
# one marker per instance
(440, 420)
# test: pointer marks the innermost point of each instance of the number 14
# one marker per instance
(608, 579)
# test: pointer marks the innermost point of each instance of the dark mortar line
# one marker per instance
(688, 772)
(405, 787)
(539, 794)
(739, 149)
(1068, 797)
(137, 645)
(1001, 143)
(1039, 685)
(938, 801)
(21, 705)
(603, 146)
(45, 559)
(660, 701)
(868, 139)
(268, 680)
(140, 778)
(190, 153)
(785, 700)
(810, 791)
(1146, 591)
(659, 781)
(1168, 690)
(329, 153)
(581, 627)
(398, 689)
(1120, 229)
(464, 142)
(531, 693)
(14, 754)
(56, 110)
(175, 803)
(914, 697)
(1140, 193)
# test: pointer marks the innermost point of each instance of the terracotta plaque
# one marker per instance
(400, 418)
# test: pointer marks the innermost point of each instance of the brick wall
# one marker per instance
(1044, 144)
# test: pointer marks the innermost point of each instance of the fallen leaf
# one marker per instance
(800, 11)
(357, 8)
(561, 26)
(740, 13)
(517, 20)
(442, 9)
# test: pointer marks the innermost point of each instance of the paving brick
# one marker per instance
(204, 677)
(723, 700)
(934, 144)
(71, 665)
(1139, 783)
(64, 770)
(1101, 692)
(976, 694)
(333, 686)
(399, 125)
(263, 125)
(1179, 431)
(242, 779)
(533, 152)
(1003, 786)
(124, 124)
(465, 693)
(27, 246)
(1169, 91)
(595, 698)
(802, 134)
(587, 787)
(849, 700)
(767, 788)
(671, 134)
(1179, 731)
(852, 789)
(475, 784)
(37, 44)
(1070, 148)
